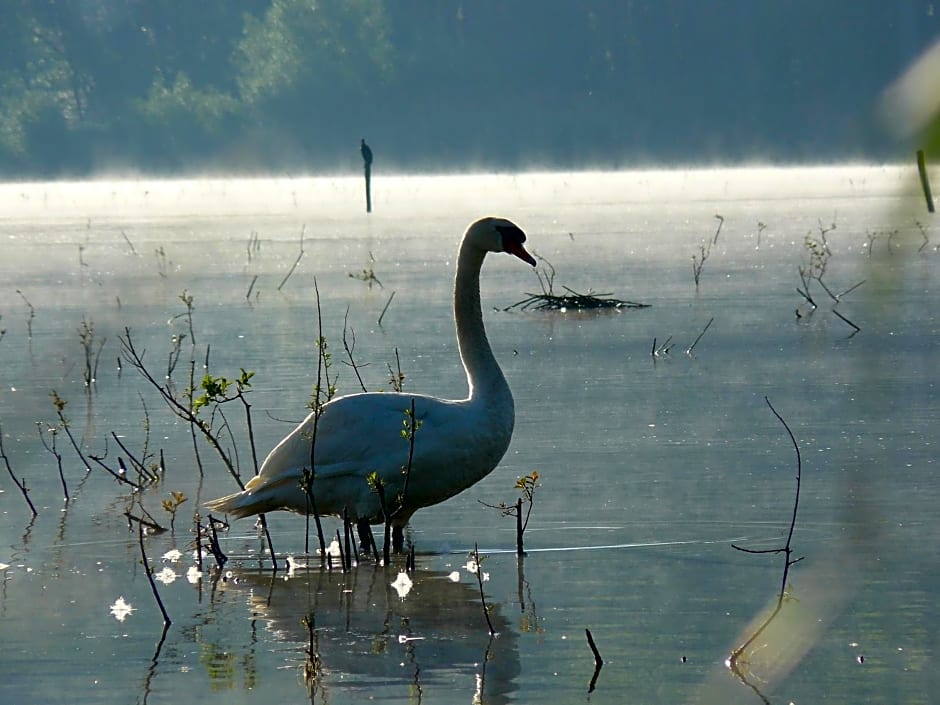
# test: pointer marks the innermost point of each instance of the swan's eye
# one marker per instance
(510, 233)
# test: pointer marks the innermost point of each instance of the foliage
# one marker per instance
(272, 83)
(215, 390)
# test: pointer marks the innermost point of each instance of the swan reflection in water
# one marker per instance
(363, 634)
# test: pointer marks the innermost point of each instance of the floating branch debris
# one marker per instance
(570, 301)
(573, 300)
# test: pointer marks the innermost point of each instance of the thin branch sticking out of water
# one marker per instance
(153, 585)
(700, 336)
(385, 308)
(296, 261)
(787, 550)
(20, 484)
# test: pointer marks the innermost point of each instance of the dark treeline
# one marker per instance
(291, 85)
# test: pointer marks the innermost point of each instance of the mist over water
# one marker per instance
(650, 465)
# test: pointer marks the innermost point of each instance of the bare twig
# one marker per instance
(786, 550)
(251, 287)
(55, 453)
(695, 342)
(396, 378)
(598, 661)
(857, 329)
(20, 484)
(153, 585)
(309, 475)
(385, 308)
(129, 243)
(59, 405)
(349, 347)
(29, 316)
(296, 261)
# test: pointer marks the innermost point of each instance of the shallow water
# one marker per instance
(650, 466)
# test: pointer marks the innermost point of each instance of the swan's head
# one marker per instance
(499, 235)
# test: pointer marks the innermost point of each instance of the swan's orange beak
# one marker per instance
(516, 248)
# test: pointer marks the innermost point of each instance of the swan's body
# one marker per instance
(457, 443)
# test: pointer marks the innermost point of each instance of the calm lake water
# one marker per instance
(650, 466)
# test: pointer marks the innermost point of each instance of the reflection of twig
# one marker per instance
(313, 666)
(923, 234)
(598, 661)
(212, 535)
(786, 550)
(475, 556)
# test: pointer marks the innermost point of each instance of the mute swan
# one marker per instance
(457, 443)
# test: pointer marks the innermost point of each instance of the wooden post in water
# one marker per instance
(924, 180)
(367, 166)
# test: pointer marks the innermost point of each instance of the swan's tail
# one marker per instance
(259, 496)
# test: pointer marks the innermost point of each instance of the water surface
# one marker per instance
(650, 466)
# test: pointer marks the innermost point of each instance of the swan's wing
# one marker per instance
(362, 433)
(359, 431)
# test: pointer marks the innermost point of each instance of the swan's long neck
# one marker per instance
(484, 377)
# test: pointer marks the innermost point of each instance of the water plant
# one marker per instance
(30, 314)
(216, 392)
(698, 261)
(172, 504)
(526, 485)
(818, 255)
(86, 336)
(367, 275)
